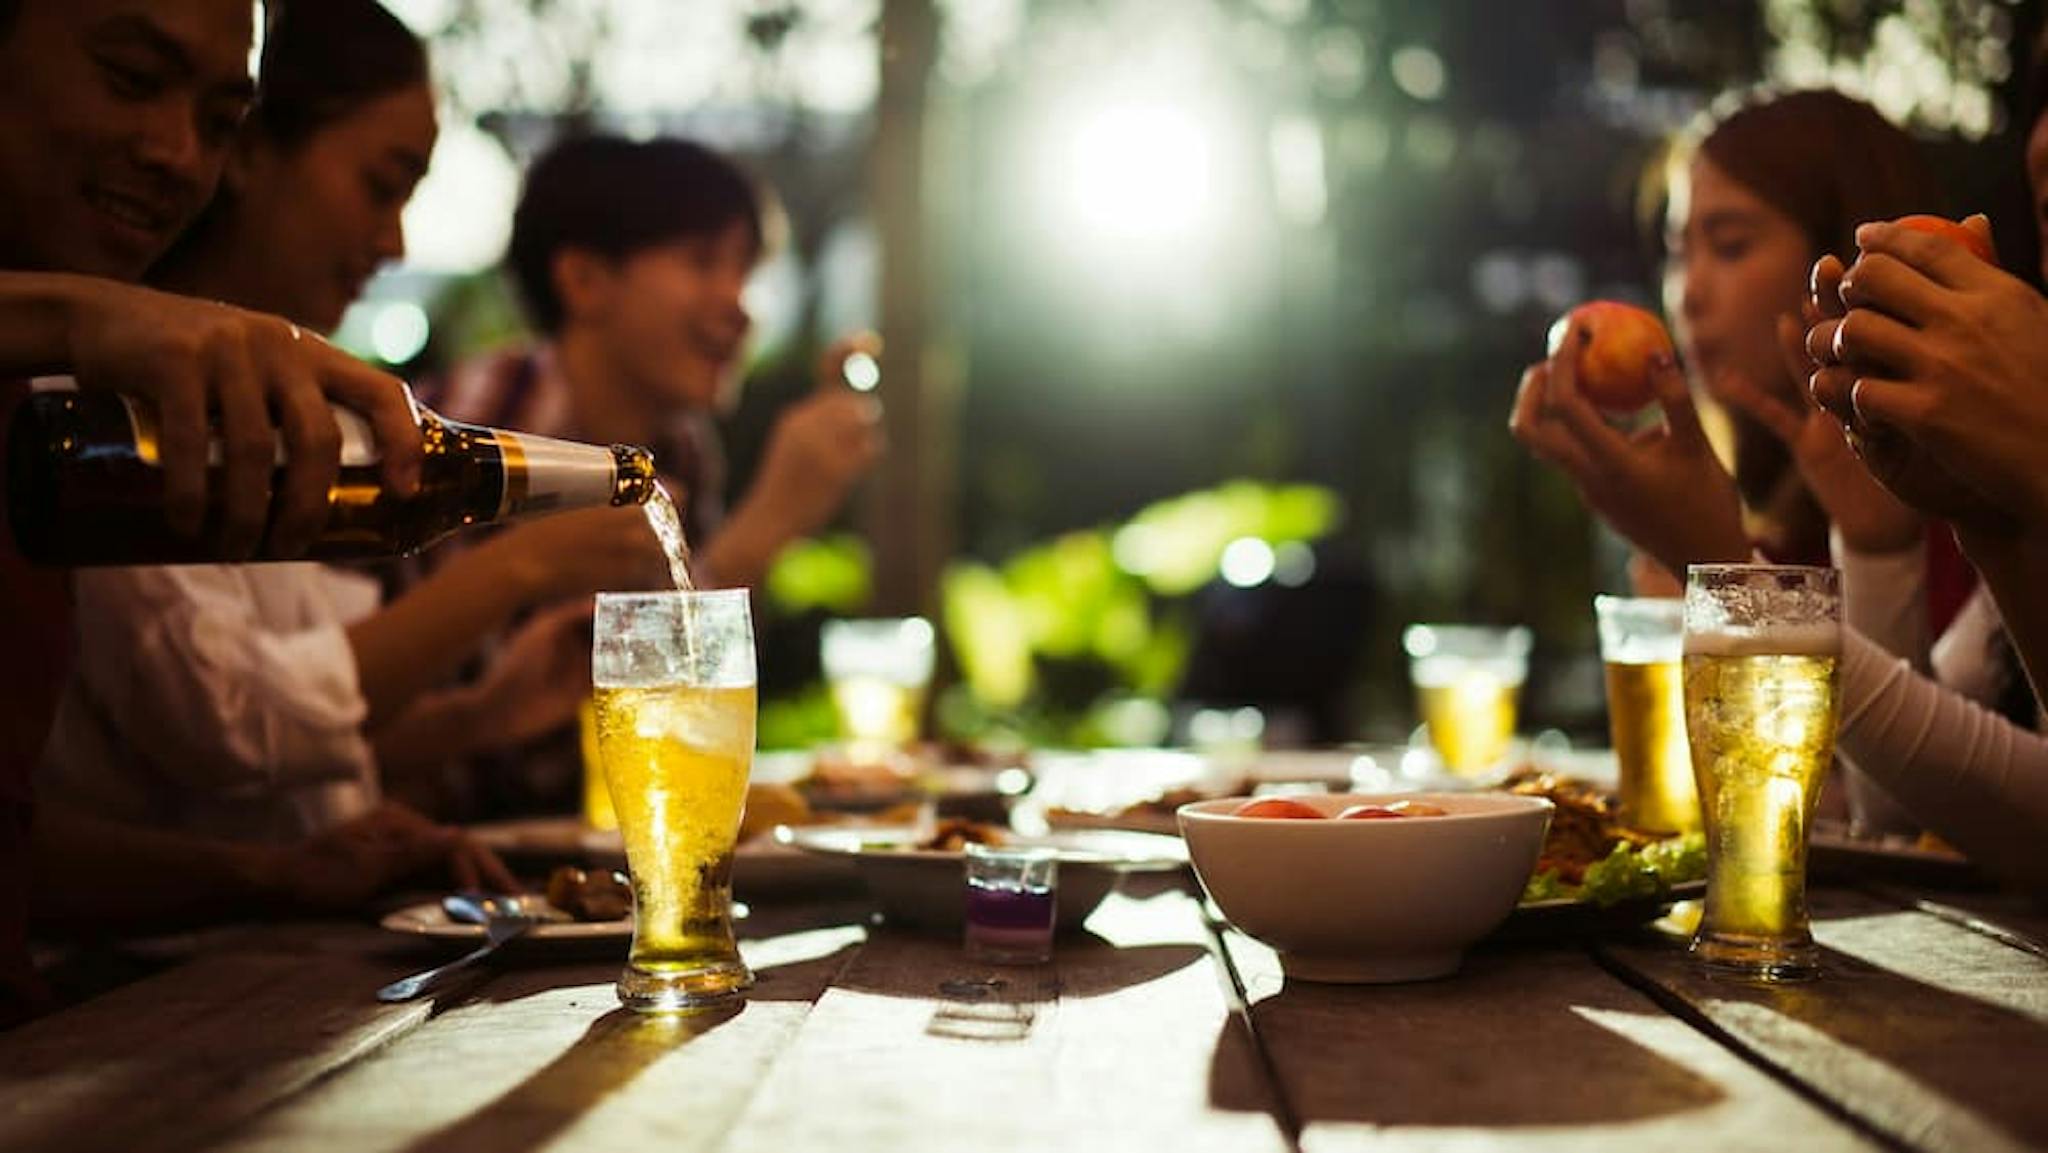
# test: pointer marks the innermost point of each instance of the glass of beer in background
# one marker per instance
(1468, 680)
(1762, 643)
(674, 673)
(1641, 642)
(878, 672)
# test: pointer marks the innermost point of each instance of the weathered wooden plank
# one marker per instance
(1927, 1032)
(2008, 917)
(171, 1062)
(1125, 1042)
(544, 1057)
(1525, 1049)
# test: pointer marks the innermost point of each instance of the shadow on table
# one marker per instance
(527, 967)
(1083, 965)
(1516, 1039)
(616, 1048)
(1981, 1056)
(976, 1001)
(802, 977)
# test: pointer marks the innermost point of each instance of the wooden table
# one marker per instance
(1162, 1030)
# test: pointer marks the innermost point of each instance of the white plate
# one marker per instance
(428, 919)
(926, 889)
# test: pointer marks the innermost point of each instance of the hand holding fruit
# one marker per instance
(1661, 487)
(1896, 461)
(1940, 361)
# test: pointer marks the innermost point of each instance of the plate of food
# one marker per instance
(960, 780)
(580, 905)
(762, 866)
(916, 873)
(1595, 873)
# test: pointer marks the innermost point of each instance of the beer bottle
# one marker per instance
(85, 487)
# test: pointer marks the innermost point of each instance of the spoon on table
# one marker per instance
(503, 918)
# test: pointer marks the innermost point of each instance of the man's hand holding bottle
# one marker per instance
(210, 369)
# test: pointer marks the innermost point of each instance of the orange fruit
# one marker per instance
(1618, 345)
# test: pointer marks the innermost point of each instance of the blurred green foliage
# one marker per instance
(802, 721)
(1175, 544)
(1056, 642)
(832, 574)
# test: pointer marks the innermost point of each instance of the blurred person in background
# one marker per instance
(1968, 773)
(631, 259)
(115, 120)
(239, 701)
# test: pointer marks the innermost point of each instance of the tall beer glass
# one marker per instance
(1641, 642)
(1762, 643)
(674, 676)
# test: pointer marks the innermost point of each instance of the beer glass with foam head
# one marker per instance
(674, 677)
(1641, 641)
(1762, 646)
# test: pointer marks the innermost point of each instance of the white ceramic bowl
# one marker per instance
(1368, 901)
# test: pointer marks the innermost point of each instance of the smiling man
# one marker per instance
(115, 119)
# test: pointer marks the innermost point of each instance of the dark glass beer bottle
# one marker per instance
(85, 487)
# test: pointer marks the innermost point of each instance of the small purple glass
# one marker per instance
(1012, 896)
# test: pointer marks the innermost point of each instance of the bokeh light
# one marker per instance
(1139, 171)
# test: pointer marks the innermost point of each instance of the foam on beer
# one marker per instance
(1810, 639)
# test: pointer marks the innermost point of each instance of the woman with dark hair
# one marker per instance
(1955, 766)
(308, 206)
(1755, 192)
(240, 701)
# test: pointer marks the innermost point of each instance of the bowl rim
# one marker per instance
(1499, 806)
(1112, 850)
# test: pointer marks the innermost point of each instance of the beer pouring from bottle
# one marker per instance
(85, 485)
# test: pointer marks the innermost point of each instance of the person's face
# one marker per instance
(672, 314)
(2037, 180)
(1734, 264)
(115, 118)
(313, 222)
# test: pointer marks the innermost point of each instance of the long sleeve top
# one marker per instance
(218, 699)
(1964, 771)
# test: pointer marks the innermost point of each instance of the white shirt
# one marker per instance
(1884, 598)
(219, 699)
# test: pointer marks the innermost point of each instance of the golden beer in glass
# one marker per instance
(1468, 682)
(675, 709)
(597, 796)
(1762, 645)
(1641, 642)
(878, 672)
